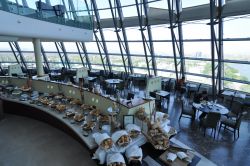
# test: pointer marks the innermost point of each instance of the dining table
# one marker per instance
(113, 82)
(207, 107)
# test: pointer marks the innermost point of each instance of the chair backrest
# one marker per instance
(130, 96)
(228, 101)
(238, 120)
(152, 94)
(121, 86)
(212, 119)
(102, 72)
(109, 91)
(104, 85)
(236, 107)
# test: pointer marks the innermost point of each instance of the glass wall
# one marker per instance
(196, 42)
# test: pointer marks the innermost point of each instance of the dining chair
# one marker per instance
(210, 121)
(193, 91)
(167, 86)
(121, 87)
(104, 86)
(233, 124)
(109, 91)
(187, 111)
(235, 110)
(130, 97)
(228, 101)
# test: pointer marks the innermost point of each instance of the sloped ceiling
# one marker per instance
(158, 16)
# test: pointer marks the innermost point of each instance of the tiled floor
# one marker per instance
(223, 150)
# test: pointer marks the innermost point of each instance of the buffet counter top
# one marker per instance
(60, 116)
(84, 95)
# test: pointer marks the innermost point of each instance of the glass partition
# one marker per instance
(66, 12)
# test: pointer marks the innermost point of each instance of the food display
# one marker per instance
(103, 140)
(95, 112)
(78, 117)
(103, 118)
(121, 138)
(52, 104)
(86, 107)
(133, 130)
(158, 138)
(124, 140)
(16, 92)
(52, 95)
(58, 97)
(24, 97)
(70, 113)
(76, 102)
(107, 143)
(88, 126)
(141, 114)
(44, 100)
(60, 107)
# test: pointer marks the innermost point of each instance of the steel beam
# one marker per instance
(102, 43)
(152, 52)
(45, 58)
(174, 42)
(63, 54)
(220, 53)
(117, 30)
(18, 54)
(216, 46)
(180, 33)
(124, 34)
(84, 58)
(144, 40)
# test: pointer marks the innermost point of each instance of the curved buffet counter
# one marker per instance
(12, 104)
(101, 102)
(24, 108)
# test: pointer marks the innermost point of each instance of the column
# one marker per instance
(38, 57)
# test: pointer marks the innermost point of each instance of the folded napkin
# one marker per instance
(171, 157)
(181, 155)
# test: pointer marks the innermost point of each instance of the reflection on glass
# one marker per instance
(67, 12)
